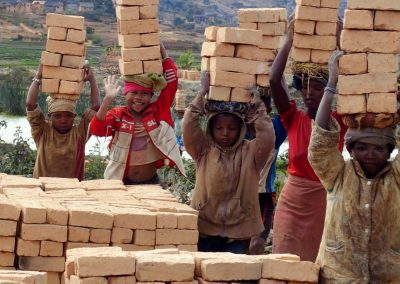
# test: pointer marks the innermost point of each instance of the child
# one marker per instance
(361, 241)
(227, 170)
(143, 138)
(60, 144)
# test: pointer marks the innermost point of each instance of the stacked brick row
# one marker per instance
(315, 30)
(61, 214)
(272, 23)
(138, 36)
(368, 71)
(64, 57)
(110, 265)
(23, 277)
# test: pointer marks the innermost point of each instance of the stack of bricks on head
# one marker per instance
(40, 219)
(315, 30)
(240, 58)
(64, 58)
(138, 36)
(368, 71)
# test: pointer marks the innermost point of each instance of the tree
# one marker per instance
(186, 60)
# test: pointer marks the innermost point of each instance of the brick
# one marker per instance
(187, 221)
(191, 248)
(56, 213)
(121, 280)
(71, 22)
(358, 20)
(330, 3)
(382, 103)
(65, 47)
(9, 210)
(132, 40)
(167, 220)
(126, 13)
(272, 29)
(387, 20)
(153, 66)
(350, 104)
(290, 270)
(176, 237)
(133, 247)
(367, 83)
(249, 26)
(144, 237)
(57, 33)
(77, 36)
(138, 26)
(7, 244)
(106, 265)
(131, 67)
(71, 61)
(137, 2)
(75, 245)
(382, 63)
(32, 212)
(316, 14)
(301, 54)
(370, 41)
(320, 56)
(326, 28)
(8, 228)
(263, 80)
(271, 42)
(239, 36)
(353, 64)
(54, 277)
(40, 263)
(50, 85)
(232, 79)
(150, 39)
(27, 248)
(205, 63)
(138, 220)
(211, 33)
(78, 234)
(68, 87)
(217, 49)
(374, 4)
(239, 65)
(91, 218)
(219, 94)
(313, 3)
(7, 259)
(231, 269)
(100, 236)
(121, 235)
(39, 232)
(164, 267)
(88, 280)
(148, 12)
(304, 27)
(49, 248)
(140, 53)
(315, 42)
(240, 95)
(262, 15)
(272, 281)
(254, 53)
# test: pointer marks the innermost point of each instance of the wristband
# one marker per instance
(36, 80)
(330, 90)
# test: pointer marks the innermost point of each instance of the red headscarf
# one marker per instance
(132, 87)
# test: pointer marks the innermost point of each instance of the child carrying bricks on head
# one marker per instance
(60, 144)
(227, 169)
(361, 241)
(143, 138)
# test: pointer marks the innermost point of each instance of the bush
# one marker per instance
(186, 60)
(95, 164)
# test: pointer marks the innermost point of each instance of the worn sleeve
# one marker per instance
(104, 127)
(288, 116)
(171, 75)
(83, 127)
(37, 122)
(324, 155)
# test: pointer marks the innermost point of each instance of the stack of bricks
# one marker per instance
(315, 30)
(59, 214)
(64, 57)
(272, 23)
(23, 277)
(368, 71)
(173, 266)
(138, 36)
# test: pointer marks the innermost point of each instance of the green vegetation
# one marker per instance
(186, 60)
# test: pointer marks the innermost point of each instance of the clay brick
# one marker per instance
(7, 244)
(121, 235)
(231, 269)
(39, 232)
(272, 29)
(176, 237)
(205, 63)
(138, 26)
(91, 218)
(88, 280)
(100, 236)
(167, 220)
(370, 41)
(122, 280)
(150, 39)
(301, 54)
(68, 87)
(57, 33)
(374, 4)
(353, 64)
(191, 248)
(387, 20)
(239, 36)
(76, 36)
(153, 66)
(71, 61)
(9, 210)
(137, 2)
(65, 47)
(382, 103)
(78, 234)
(211, 33)
(56, 213)
(148, 12)
(133, 247)
(315, 42)
(326, 28)
(313, 3)
(239, 65)
(290, 270)
(126, 13)
(367, 83)
(271, 42)
(40, 263)
(8, 228)
(132, 40)
(66, 21)
(188, 221)
(320, 56)
(254, 53)
(263, 80)
(49, 248)
(106, 265)
(219, 94)
(358, 20)
(32, 212)
(130, 67)
(316, 14)
(144, 237)
(140, 53)
(50, 85)
(272, 281)
(240, 95)
(217, 49)
(73, 245)
(7, 259)
(249, 26)
(304, 27)
(231, 79)
(54, 277)
(349, 104)
(382, 63)
(330, 3)
(262, 15)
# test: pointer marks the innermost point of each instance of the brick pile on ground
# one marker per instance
(138, 36)
(60, 214)
(315, 30)
(272, 22)
(368, 71)
(23, 277)
(64, 57)
(111, 265)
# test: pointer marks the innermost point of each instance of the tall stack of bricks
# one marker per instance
(23, 277)
(315, 30)
(138, 36)
(169, 266)
(368, 70)
(272, 23)
(64, 57)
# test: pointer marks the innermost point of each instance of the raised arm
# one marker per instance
(33, 92)
(171, 75)
(94, 90)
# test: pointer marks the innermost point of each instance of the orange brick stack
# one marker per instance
(64, 57)
(23, 277)
(138, 36)
(368, 71)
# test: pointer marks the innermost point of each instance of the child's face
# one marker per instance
(312, 93)
(62, 121)
(225, 129)
(137, 101)
(372, 158)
